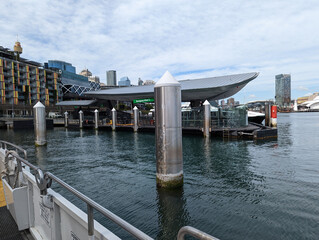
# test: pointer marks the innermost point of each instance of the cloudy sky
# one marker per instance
(191, 39)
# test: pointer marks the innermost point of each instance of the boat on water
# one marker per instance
(255, 117)
(45, 214)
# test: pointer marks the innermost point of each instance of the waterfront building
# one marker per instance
(310, 105)
(301, 100)
(24, 82)
(222, 103)
(73, 85)
(111, 78)
(88, 74)
(230, 102)
(283, 90)
(125, 82)
(149, 82)
(140, 82)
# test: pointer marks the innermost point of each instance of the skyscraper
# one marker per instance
(111, 78)
(283, 90)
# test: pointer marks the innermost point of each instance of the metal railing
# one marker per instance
(44, 181)
(188, 230)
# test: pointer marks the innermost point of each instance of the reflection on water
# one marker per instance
(41, 156)
(172, 212)
(232, 189)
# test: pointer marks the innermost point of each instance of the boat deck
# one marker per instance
(8, 227)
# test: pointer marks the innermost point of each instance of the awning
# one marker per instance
(76, 103)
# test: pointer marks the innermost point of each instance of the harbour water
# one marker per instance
(232, 189)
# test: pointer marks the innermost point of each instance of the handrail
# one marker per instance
(3, 144)
(188, 230)
(44, 180)
(90, 203)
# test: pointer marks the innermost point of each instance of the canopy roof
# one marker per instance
(76, 103)
(212, 88)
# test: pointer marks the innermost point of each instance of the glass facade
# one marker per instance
(124, 82)
(283, 90)
(61, 65)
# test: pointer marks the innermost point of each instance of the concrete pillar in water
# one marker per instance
(96, 119)
(135, 109)
(113, 119)
(207, 119)
(168, 129)
(66, 119)
(39, 120)
(81, 119)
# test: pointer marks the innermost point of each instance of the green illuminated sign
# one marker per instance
(145, 100)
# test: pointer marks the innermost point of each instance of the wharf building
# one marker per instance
(73, 85)
(23, 83)
(283, 90)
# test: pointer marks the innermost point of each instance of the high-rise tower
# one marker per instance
(283, 90)
(111, 78)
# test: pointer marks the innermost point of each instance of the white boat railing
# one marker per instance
(44, 181)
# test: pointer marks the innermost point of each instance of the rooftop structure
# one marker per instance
(86, 73)
(202, 89)
(60, 65)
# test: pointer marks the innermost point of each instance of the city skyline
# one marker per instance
(189, 39)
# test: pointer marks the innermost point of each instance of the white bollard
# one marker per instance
(168, 128)
(81, 119)
(96, 119)
(207, 119)
(39, 121)
(66, 119)
(136, 112)
(113, 119)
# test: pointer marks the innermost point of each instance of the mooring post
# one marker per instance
(267, 114)
(274, 116)
(66, 120)
(81, 119)
(96, 119)
(113, 119)
(39, 120)
(135, 110)
(168, 130)
(207, 119)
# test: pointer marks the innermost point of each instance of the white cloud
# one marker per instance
(146, 38)
(302, 88)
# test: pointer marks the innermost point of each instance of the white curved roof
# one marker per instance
(313, 104)
(212, 88)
